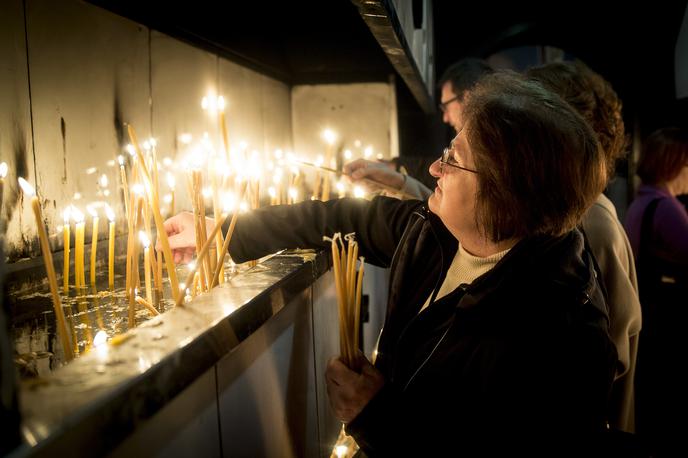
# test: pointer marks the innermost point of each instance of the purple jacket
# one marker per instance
(669, 238)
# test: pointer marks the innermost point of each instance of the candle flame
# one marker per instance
(120, 159)
(359, 192)
(77, 196)
(272, 192)
(243, 207)
(144, 239)
(110, 214)
(92, 211)
(278, 154)
(100, 338)
(91, 170)
(167, 198)
(221, 103)
(341, 450)
(367, 152)
(228, 202)
(131, 150)
(77, 215)
(26, 187)
(357, 143)
(340, 186)
(111, 163)
(191, 265)
(138, 189)
(66, 214)
(293, 193)
(347, 154)
(185, 138)
(104, 181)
(170, 180)
(3, 169)
(329, 136)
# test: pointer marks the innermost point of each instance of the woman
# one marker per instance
(597, 102)
(657, 226)
(495, 334)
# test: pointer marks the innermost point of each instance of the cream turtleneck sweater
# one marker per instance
(464, 269)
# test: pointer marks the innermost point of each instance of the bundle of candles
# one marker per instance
(226, 179)
(348, 283)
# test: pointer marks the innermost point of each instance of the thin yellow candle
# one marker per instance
(171, 183)
(125, 186)
(228, 236)
(147, 265)
(162, 235)
(94, 244)
(201, 256)
(79, 276)
(50, 269)
(66, 240)
(357, 309)
(223, 126)
(111, 248)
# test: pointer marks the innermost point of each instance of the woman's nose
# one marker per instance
(436, 169)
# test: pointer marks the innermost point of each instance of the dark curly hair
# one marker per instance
(595, 100)
(664, 154)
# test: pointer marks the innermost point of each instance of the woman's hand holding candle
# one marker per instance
(182, 236)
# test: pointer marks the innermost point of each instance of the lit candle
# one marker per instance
(111, 248)
(146, 265)
(125, 186)
(79, 276)
(341, 189)
(223, 126)
(171, 183)
(330, 137)
(66, 240)
(94, 244)
(162, 234)
(48, 261)
(3, 174)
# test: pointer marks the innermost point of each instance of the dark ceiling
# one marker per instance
(322, 41)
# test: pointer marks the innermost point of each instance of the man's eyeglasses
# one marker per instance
(448, 159)
(443, 105)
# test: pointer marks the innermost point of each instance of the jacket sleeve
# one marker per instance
(378, 225)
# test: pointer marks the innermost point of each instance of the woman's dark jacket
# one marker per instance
(520, 359)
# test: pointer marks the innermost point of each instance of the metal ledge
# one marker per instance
(382, 20)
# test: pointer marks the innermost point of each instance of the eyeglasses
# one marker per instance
(448, 159)
(443, 105)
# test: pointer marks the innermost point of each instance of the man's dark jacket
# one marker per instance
(518, 360)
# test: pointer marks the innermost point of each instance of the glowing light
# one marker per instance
(120, 159)
(111, 163)
(66, 214)
(167, 162)
(26, 187)
(3, 169)
(293, 193)
(319, 160)
(104, 181)
(380, 156)
(278, 154)
(106, 192)
(359, 192)
(229, 202)
(138, 189)
(221, 103)
(77, 196)
(145, 241)
(367, 152)
(131, 150)
(341, 450)
(100, 338)
(186, 138)
(110, 214)
(191, 265)
(357, 143)
(272, 192)
(77, 215)
(347, 154)
(340, 186)
(167, 198)
(329, 136)
(153, 142)
(243, 207)
(91, 170)
(207, 192)
(92, 211)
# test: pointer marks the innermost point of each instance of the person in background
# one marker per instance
(657, 226)
(496, 332)
(453, 85)
(597, 102)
